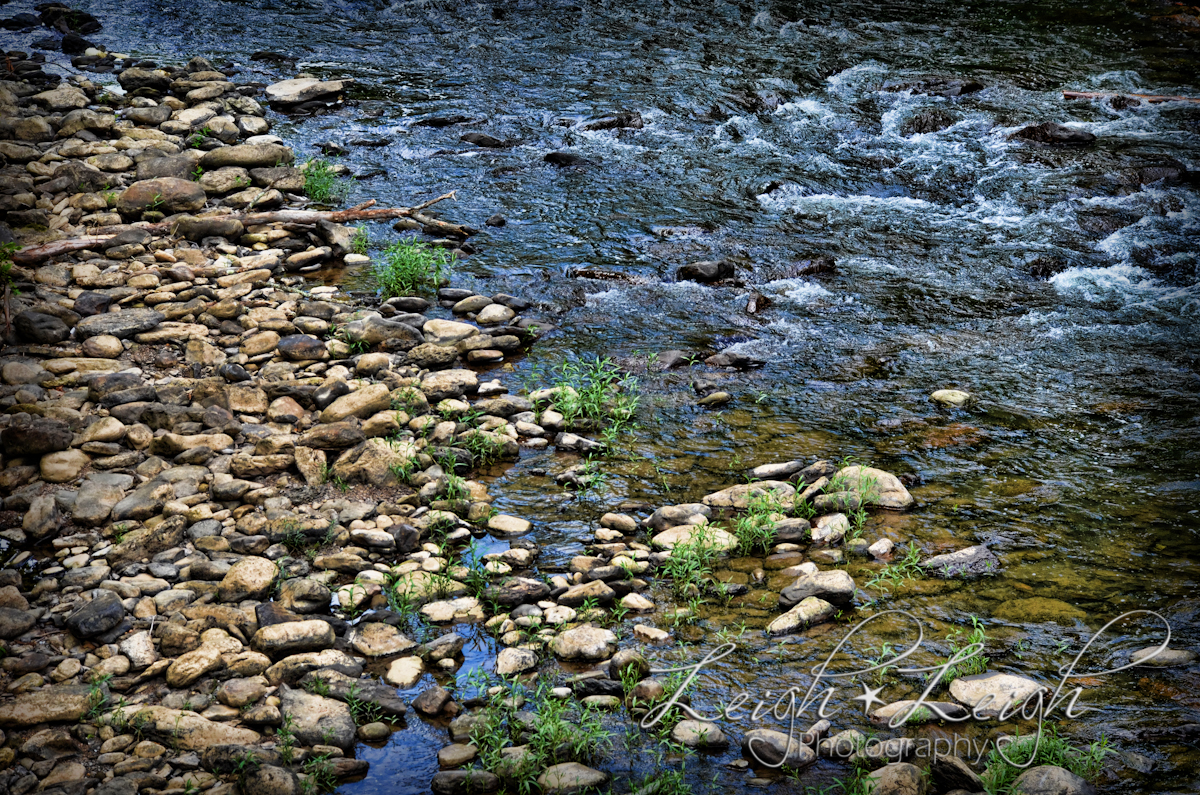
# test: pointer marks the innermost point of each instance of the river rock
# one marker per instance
(40, 328)
(462, 782)
(318, 720)
(966, 563)
(834, 586)
(989, 693)
(103, 613)
(569, 777)
(514, 661)
(303, 595)
(293, 637)
(375, 461)
(167, 194)
(706, 272)
(1151, 657)
(36, 437)
(445, 384)
(246, 156)
(61, 703)
(14, 623)
(375, 639)
(808, 612)
(122, 325)
(361, 403)
(770, 747)
(951, 773)
(875, 487)
(404, 672)
(504, 525)
(699, 734)
(585, 643)
(249, 578)
(1050, 780)
(898, 778)
(303, 89)
(1038, 609)
(951, 397)
(190, 732)
(742, 495)
(270, 780)
(711, 537)
(1051, 133)
(190, 666)
(596, 590)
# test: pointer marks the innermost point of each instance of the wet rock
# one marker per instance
(504, 525)
(835, 586)
(874, 487)
(808, 612)
(1039, 609)
(927, 121)
(1051, 133)
(773, 748)
(318, 720)
(699, 734)
(951, 397)
(966, 563)
(35, 438)
(711, 537)
(951, 773)
(1050, 780)
(989, 693)
(404, 672)
(566, 160)
(595, 590)
(569, 777)
(1166, 658)
(706, 272)
(585, 643)
(464, 782)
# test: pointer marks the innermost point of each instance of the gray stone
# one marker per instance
(122, 325)
(834, 586)
(1050, 780)
(102, 613)
(318, 720)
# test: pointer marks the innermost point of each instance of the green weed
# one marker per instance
(409, 266)
(1004, 766)
(321, 182)
(974, 665)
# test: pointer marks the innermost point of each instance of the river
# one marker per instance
(1048, 282)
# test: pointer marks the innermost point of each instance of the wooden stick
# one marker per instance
(35, 254)
(1150, 98)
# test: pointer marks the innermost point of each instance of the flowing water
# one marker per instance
(769, 139)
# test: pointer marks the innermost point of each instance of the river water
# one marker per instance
(769, 139)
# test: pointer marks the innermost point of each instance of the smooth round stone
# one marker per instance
(951, 397)
(374, 732)
(103, 346)
(484, 356)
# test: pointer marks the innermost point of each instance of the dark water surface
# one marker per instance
(768, 139)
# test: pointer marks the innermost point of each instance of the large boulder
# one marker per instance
(318, 720)
(35, 438)
(873, 486)
(304, 89)
(166, 194)
(377, 462)
(122, 325)
(61, 703)
(246, 156)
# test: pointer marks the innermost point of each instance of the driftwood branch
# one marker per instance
(362, 212)
(1149, 98)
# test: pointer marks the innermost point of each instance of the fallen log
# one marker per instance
(362, 212)
(1152, 99)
